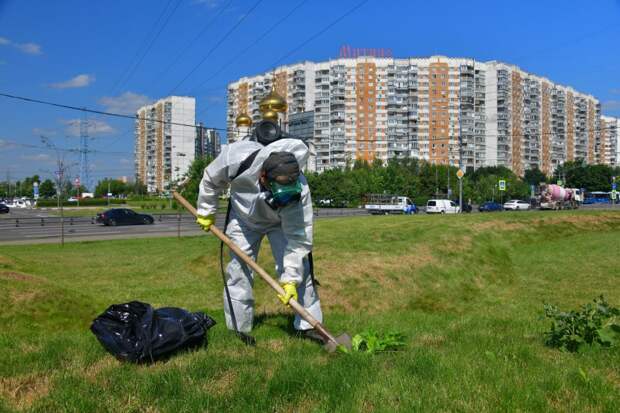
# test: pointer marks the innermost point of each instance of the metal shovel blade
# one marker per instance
(342, 340)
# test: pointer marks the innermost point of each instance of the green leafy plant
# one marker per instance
(595, 323)
(372, 342)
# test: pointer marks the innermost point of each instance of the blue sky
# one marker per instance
(89, 54)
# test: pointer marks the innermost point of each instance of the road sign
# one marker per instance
(35, 190)
(502, 185)
(613, 186)
(460, 173)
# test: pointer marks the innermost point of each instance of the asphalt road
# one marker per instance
(23, 226)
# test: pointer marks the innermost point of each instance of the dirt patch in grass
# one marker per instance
(91, 372)
(584, 221)
(562, 401)
(6, 262)
(497, 225)
(20, 297)
(275, 345)
(223, 384)
(429, 340)
(23, 391)
(18, 276)
(373, 275)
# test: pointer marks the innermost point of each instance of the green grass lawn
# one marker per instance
(467, 292)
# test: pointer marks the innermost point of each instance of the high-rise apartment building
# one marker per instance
(207, 142)
(445, 110)
(165, 141)
(609, 145)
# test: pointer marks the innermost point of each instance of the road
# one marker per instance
(24, 226)
(33, 226)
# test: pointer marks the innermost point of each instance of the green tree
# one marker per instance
(116, 187)
(47, 189)
(534, 176)
(194, 176)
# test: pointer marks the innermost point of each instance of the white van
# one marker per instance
(441, 206)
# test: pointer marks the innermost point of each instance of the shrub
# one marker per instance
(45, 203)
(596, 323)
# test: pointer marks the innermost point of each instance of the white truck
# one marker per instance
(384, 204)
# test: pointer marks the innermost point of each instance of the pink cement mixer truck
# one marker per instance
(556, 197)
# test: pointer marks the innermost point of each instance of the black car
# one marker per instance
(4, 209)
(123, 216)
(466, 207)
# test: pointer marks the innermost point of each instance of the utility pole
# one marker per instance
(8, 183)
(108, 194)
(460, 169)
(436, 181)
(448, 191)
(84, 166)
(60, 174)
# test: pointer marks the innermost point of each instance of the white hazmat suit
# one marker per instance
(289, 228)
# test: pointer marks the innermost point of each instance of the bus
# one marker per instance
(597, 197)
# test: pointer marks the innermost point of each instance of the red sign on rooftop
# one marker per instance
(347, 51)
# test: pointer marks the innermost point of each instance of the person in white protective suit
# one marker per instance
(271, 197)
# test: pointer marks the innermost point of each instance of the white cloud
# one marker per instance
(95, 127)
(6, 145)
(125, 161)
(611, 105)
(43, 131)
(209, 3)
(82, 80)
(40, 157)
(127, 103)
(615, 91)
(28, 48)
(215, 99)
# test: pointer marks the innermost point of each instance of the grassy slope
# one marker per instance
(467, 291)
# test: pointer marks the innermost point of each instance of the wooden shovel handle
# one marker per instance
(263, 274)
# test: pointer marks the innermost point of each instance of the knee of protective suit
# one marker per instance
(239, 281)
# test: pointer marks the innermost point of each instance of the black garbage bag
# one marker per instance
(136, 332)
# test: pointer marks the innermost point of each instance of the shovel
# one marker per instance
(330, 342)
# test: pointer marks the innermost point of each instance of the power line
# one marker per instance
(153, 41)
(320, 32)
(232, 29)
(199, 35)
(70, 150)
(254, 43)
(100, 112)
(141, 46)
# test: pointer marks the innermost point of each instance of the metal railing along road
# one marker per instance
(29, 222)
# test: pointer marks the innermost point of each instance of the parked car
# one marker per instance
(490, 206)
(123, 216)
(517, 205)
(441, 206)
(466, 207)
(4, 209)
